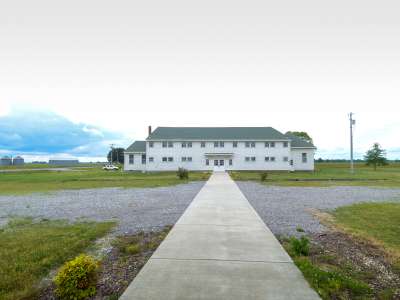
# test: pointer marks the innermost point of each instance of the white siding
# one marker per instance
(198, 155)
(298, 164)
(137, 162)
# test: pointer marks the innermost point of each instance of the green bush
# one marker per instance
(132, 249)
(263, 176)
(77, 278)
(183, 173)
(300, 246)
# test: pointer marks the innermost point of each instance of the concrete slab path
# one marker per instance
(220, 249)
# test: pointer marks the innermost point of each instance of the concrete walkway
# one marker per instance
(220, 249)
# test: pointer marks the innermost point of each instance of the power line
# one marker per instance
(352, 123)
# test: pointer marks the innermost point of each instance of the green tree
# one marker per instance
(376, 156)
(117, 155)
(301, 134)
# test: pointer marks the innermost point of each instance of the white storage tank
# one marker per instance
(18, 161)
(5, 161)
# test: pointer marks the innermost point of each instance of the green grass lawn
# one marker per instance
(376, 222)
(330, 174)
(47, 166)
(29, 250)
(23, 182)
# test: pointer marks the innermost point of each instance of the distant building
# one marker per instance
(18, 160)
(5, 161)
(63, 162)
(219, 149)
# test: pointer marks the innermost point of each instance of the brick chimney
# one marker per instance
(149, 130)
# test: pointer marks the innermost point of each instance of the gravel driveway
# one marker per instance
(281, 208)
(285, 208)
(135, 209)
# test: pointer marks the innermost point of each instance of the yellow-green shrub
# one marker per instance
(77, 278)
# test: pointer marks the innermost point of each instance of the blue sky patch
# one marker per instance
(47, 132)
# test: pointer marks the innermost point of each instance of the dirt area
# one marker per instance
(121, 264)
(359, 258)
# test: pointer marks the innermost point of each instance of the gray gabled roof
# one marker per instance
(297, 142)
(217, 133)
(137, 146)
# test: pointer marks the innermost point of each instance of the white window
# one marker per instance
(221, 144)
(267, 158)
(304, 157)
(170, 144)
(253, 158)
(253, 144)
(266, 144)
(216, 144)
(164, 159)
(131, 159)
(247, 158)
(170, 159)
(151, 144)
(285, 159)
(203, 144)
(143, 158)
(207, 162)
(151, 159)
(234, 144)
(164, 144)
(272, 144)
(183, 144)
(189, 144)
(272, 158)
(285, 144)
(183, 158)
(189, 159)
(247, 144)
(230, 162)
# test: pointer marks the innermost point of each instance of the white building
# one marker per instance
(219, 148)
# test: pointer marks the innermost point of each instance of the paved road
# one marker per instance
(220, 249)
(58, 169)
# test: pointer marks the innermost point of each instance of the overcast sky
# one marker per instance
(109, 69)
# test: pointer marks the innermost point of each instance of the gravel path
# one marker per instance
(281, 208)
(285, 208)
(134, 209)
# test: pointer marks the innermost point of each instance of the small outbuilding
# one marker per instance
(63, 162)
(18, 161)
(5, 161)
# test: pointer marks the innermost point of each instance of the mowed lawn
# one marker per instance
(23, 182)
(376, 222)
(330, 174)
(29, 250)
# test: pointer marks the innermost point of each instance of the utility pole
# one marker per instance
(111, 155)
(352, 122)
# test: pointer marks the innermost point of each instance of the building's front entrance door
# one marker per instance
(219, 165)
